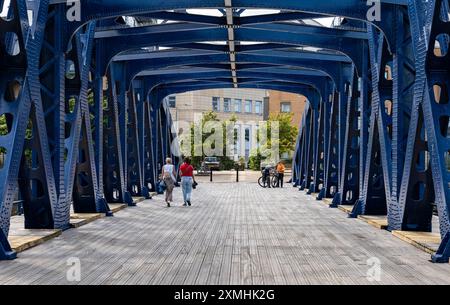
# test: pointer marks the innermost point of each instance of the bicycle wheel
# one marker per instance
(274, 181)
(261, 182)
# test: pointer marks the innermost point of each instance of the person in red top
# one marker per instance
(187, 180)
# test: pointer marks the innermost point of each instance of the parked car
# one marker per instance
(212, 163)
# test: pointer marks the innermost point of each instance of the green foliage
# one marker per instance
(71, 105)
(288, 133)
(225, 162)
(287, 140)
(254, 162)
(3, 125)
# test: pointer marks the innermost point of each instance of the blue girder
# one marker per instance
(87, 126)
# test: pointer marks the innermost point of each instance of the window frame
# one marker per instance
(236, 103)
(216, 99)
(227, 101)
(259, 104)
(247, 103)
(286, 103)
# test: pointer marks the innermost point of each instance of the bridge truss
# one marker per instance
(82, 90)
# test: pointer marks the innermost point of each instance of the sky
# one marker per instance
(210, 12)
(213, 12)
(4, 8)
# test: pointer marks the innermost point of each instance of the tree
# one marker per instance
(288, 133)
(197, 149)
(286, 141)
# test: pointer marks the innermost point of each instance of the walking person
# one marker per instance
(281, 169)
(187, 180)
(168, 176)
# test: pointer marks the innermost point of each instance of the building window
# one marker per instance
(172, 101)
(258, 107)
(248, 106)
(227, 105)
(248, 143)
(286, 107)
(237, 105)
(216, 104)
(237, 140)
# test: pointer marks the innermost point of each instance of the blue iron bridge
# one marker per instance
(84, 123)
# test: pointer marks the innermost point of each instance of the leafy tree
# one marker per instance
(286, 142)
(225, 162)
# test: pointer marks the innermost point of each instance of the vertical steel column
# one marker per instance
(376, 197)
(404, 75)
(349, 178)
(121, 98)
(164, 134)
(341, 123)
(113, 174)
(52, 79)
(36, 180)
(332, 166)
(20, 47)
(81, 174)
(143, 130)
(134, 181)
(149, 159)
(99, 119)
(326, 138)
(319, 151)
(305, 147)
(311, 147)
(428, 134)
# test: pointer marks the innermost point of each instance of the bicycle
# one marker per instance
(273, 179)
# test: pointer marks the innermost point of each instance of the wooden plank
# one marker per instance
(79, 220)
(379, 222)
(233, 234)
(137, 200)
(346, 208)
(425, 241)
(327, 201)
(76, 223)
(87, 216)
(117, 207)
(26, 239)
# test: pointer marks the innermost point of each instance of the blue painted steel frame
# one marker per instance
(375, 93)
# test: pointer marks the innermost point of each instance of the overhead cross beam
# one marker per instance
(231, 42)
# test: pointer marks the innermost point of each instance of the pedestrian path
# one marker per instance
(233, 234)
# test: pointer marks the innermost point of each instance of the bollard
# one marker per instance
(211, 175)
(237, 174)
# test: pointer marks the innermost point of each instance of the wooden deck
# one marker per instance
(233, 234)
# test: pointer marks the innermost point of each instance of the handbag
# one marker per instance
(194, 185)
(161, 187)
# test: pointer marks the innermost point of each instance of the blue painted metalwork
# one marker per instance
(87, 126)
(375, 197)
(349, 176)
(331, 187)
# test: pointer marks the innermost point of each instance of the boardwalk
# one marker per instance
(234, 234)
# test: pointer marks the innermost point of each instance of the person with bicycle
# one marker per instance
(267, 176)
(281, 169)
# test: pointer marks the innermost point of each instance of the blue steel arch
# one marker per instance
(352, 9)
(137, 64)
(162, 91)
(388, 71)
(311, 78)
(351, 47)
